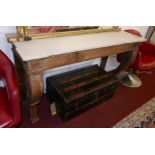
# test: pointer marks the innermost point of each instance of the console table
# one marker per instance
(33, 57)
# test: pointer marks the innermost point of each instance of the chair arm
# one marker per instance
(11, 82)
(8, 74)
(13, 93)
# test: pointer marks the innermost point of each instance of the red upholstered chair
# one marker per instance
(10, 114)
(146, 56)
(145, 61)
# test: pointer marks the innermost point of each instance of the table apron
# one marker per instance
(40, 65)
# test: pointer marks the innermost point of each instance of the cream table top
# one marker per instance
(43, 48)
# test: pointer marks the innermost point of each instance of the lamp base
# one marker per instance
(129, 79)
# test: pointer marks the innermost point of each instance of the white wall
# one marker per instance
(111, 64)
(4, 45)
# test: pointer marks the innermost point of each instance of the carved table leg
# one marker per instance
(35, 87)
(103, 62)
(128, 59)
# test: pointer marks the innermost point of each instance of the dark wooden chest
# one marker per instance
(81, 89)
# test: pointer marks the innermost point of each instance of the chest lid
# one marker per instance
(80, 82)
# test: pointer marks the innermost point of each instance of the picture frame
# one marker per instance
(26, 33)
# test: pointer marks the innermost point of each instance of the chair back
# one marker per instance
(8, 75)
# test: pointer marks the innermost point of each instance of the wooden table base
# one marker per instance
(30, 73)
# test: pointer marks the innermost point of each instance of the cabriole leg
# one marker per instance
(35, 84)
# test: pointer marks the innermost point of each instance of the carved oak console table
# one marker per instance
(33, 57)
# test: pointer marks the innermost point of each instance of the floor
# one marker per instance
(103, 115)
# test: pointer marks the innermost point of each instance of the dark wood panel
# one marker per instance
(78, 83)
